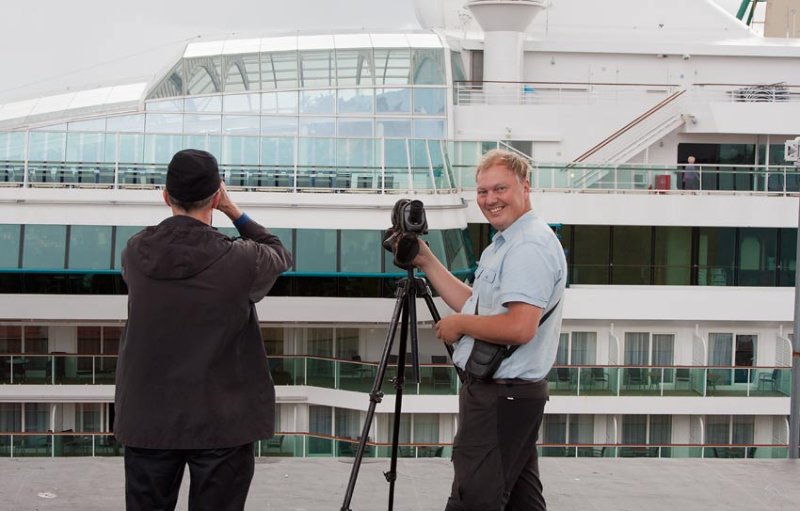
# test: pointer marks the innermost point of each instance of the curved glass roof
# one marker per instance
(305, 61)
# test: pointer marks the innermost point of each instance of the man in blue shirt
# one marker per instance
(520, 278)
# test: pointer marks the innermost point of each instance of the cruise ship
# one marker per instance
(656, 133)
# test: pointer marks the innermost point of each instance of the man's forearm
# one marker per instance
(453, 291)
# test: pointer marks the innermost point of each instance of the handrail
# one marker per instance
(669, 99)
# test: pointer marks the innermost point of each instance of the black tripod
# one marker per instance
(407, 290)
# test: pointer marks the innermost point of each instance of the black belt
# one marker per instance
(513, 381)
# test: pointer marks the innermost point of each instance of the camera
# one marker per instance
(408, 222)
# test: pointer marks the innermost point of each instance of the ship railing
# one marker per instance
(50, 444)
(779, 180)
(745, 93)
(438, 377)
(548, 93)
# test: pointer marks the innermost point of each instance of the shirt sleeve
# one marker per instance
(271, 258)
(529, 274)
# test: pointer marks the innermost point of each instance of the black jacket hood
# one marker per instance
(178, 248)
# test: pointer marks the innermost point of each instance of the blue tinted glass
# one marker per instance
(279, 102)
(317, 126)
(318, 102)
(429, 129)
(163, 123)
(131, 148)
(90, 247)
(355, 127)
(161, 148)
(393, 101)
(398, 128)
(361, 251)
(317, 151)
(355, 101)
(241, 103)
(429, 101)
(277, 151)
(9, 246)
(428, 66)
(12, 145)
(123, 233)
(239, 150)
(44, 247)
(316, 250)
(274, 125)
(45, 146)
(202, 123)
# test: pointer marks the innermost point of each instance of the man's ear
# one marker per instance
(166, 199)
(216, 199)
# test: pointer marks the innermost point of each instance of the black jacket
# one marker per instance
(192, 370)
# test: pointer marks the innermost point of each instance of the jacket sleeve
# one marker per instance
(271, 258)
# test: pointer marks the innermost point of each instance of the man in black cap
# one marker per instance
(193, 383)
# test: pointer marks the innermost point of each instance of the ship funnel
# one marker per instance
(504, 23)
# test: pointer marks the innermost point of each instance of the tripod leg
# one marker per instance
(376, 394)
(391, 475)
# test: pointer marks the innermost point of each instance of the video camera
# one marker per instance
(408, 222)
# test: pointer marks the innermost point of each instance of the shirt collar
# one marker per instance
(501, 237)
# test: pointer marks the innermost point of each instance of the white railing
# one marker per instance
(532, 93)
(742, 93)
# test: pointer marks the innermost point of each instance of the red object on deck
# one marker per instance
(663, 182)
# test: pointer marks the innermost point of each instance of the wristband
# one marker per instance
(239, 222)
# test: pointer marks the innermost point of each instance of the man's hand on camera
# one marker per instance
(424, 256)
(226, 205)
(448, 329)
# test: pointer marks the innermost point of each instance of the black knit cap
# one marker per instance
(192, 175)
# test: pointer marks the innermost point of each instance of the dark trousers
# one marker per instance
(494, 453)
(219, 478)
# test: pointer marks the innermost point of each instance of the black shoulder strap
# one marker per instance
(512, 349)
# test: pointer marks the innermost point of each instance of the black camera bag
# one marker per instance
(486, 357)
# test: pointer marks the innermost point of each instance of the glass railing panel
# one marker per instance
(32, 445)
(5, 446)
(72, 445)
(107, 445)
(281, 445)
(767, 452)
(142, 175)
(403, 451)
(596, 381)
(290, 370)
(438, 379)
(31, 369)
(557, 451)
(11, 172)
(637, 451)
(346, 448)
(724, 451)
(563, 381)
(356, 376)
(317, 446)
(74, 369)
(321, 372)
(640, 381)
(105, 369)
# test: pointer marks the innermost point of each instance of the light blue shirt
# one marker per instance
(524, 263)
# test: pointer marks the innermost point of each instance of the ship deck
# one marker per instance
(310, 484)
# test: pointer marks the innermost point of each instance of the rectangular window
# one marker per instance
(37, 417)
(111, 337)
(715, 256)
(123, 234)
(316, 250)
(758, 256)
(90, 247)
(319, 342)
(590, 254)
(788, 260)
(361, 251)
(10, 339)
(634, 429)
(44, 247)
(347, 343)
(273, 340)
(10, 417)
(631, 257)
(9, 246)
(583, 348)
(348, 423)
(673, 256)
(36, 339)
(426, 428)
(637, 348)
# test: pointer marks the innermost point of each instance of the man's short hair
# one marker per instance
(188, 207)
(513, 162)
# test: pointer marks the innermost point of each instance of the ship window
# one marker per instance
(428, 101)
(241, 124)
(317, 69)
(429, 129)
(242, 72)
(47, 146)
(241, 103)
(316, 250)
(121, 236)
(10, 339)
(279, 71)
(279, 102)
(273, 340)
(199, 123)
(205, 76)
(238, 151)
(357, 154)
(757, 257)
(428, 65)
(165, 106)
(318, 101)
(9, 246)
(37, 417)
(10, 418)
(673, 256)
(355, 101)
(354, 67)
(631, 258)
(207, 104)
(316, 152)
(348, 425)
(317, 127)
(131, 149)
(161, 148)
(278, 151)
(354, 127)
(44, 246)
(715, 261)
(111, 337)
(90, 147)
(392, 66)
(788, 257)
(273, 125)
(360, 251)
(320, 422)
(35, 340)
(163, 123)
(393, 101)
(590, 254)
(12, 146)
(89, 247)
(397, 128)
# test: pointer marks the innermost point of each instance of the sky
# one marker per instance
(56, 46)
